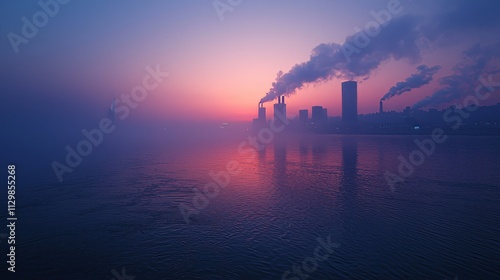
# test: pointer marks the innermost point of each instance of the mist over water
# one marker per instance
(121, 208)
(121, 121)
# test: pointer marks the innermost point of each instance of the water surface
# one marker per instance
(121, 209)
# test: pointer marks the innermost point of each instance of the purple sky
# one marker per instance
(90, 52)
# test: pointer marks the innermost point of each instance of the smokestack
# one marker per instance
(280, 111)
(381, 107)
(262, 113)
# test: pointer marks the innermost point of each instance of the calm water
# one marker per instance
(120, 209)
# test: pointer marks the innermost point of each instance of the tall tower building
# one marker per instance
(262, 113)
(280, 111)
(303, 116)
(317, 114)
(349, 103)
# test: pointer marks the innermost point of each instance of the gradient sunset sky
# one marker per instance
(93, 51)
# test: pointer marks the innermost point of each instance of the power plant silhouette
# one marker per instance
(409, 121)
(319, 114)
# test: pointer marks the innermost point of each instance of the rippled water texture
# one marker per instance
(123, 212)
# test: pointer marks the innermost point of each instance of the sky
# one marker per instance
(223, 57)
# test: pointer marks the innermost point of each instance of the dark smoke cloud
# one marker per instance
(423, 76)
(478, 60)
(398, 40)
(462, 15)
(404, 37)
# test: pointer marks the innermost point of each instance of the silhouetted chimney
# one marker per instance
(262, 113)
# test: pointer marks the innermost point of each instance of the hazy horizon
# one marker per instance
(220, 69)
(135, 145)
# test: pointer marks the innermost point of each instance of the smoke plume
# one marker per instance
(398, 40)
(477, 60)
(404, 37)
(423, 76)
